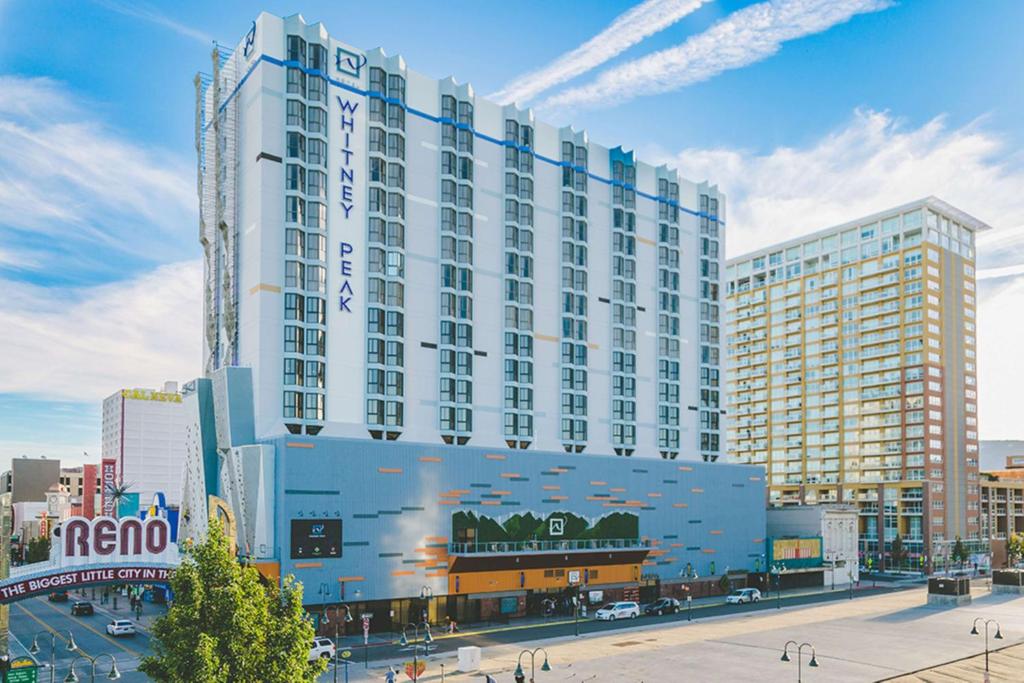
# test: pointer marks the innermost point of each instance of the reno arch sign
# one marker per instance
(88, 552)
(106, 540)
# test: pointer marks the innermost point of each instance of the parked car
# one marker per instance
(81, 608)
(662, 606)
(58, 596)
(121, 627)
(322, 648)
(618, 610)
(742, 595)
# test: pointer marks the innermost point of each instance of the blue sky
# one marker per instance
(806, 112)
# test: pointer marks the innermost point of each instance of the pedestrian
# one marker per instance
(583, 609)
(390, 675)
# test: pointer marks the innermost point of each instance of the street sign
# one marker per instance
(23, 670)
(346, 653)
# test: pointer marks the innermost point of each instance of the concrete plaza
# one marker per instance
(867, 639)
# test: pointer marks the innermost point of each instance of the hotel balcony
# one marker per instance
(548, 546)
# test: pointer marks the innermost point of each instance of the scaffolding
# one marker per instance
(216, 141)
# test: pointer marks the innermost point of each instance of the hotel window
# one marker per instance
(293, 404)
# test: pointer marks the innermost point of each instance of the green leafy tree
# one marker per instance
(1015, 548)
(959, 554)
(898, 552)
(38, 550)
(226, 624)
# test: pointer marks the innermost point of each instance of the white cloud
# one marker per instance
(84, 188)
(995, 273)
(872, 163)
(141, 10)
(626, 30)
(86, 343)
(1000, 377)
(746, 36)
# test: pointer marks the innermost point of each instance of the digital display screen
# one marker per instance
(314, 538)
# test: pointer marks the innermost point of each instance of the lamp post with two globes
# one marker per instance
(113, 675)
(799, 657)
(520, 675)
(34, 650)
(998, 636)
(427, 640)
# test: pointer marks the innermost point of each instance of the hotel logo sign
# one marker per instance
(349, 63)
(250, 41)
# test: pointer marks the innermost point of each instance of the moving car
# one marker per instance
(742, 595)
(662, 606)
(58, 596)
(81, 608)
(618, 610)
(322, 647)
(121, 627)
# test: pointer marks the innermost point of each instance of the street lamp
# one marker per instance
(690, 574)
(337, 623)
(799, 657)
(520, 675)
(576, 611)
(427, 640)
(113, 675)
(426, 593)
(71, 647)
(777, 570)
(998, 636)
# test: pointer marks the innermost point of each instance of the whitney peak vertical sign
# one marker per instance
(348, 175)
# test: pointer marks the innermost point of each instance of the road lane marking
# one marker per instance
(87, 626)
(46, 626)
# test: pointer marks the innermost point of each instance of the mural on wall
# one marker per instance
(469, 526)
(795, 552)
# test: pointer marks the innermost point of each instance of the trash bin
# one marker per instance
(469, 658)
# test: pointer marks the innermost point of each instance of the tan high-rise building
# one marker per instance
(853, 373)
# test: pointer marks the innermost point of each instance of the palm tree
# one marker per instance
(119, 492)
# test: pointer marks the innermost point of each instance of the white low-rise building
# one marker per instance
(144, 441)
(837, 526)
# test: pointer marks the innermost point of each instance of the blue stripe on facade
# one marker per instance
(435, 119)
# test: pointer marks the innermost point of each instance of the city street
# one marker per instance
(874, 637)
(29, 617)
(560, 626)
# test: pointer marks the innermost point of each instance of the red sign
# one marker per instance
(105, 539)
(89, 474)
(421, 666)
(109, 483)
(25, 588)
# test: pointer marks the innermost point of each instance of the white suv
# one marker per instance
(742, 595)
(322, 647)
(121, 627)
(618, 610)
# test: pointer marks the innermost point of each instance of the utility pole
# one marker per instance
(5, 571)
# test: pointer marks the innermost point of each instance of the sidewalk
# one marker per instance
(354, 642)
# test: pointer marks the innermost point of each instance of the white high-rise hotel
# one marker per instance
(397, 258)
